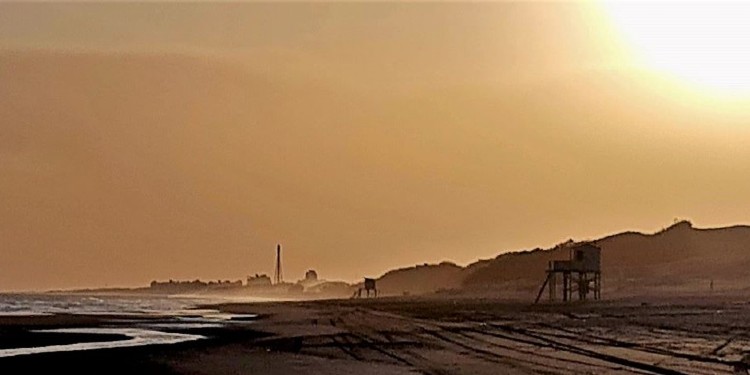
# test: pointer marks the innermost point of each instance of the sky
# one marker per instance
(144, 141)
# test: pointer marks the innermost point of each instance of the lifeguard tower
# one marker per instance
(369, 286)
(581, 274)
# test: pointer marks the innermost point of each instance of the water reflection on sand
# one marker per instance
(136, 337)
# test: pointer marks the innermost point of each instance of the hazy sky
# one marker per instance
(155, 141)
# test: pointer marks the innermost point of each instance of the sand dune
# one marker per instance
(678, 259)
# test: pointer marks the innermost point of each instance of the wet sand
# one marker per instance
(441, 336)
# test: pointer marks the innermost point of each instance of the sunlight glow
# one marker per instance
(704, 43)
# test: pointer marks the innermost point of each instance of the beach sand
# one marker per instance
(438, 336)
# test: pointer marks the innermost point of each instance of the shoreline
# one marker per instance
(25, 339)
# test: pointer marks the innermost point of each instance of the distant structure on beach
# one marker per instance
(278, 278)
(581, 274)
(369, 286)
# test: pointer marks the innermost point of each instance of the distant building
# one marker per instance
(311, 275)
(258, 281)
(224, 284)
(310, 280)
(176, 286)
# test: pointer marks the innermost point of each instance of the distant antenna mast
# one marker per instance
(278, 277)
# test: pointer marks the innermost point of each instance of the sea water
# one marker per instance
(173, 313)
(46, 304)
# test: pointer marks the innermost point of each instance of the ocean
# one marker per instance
(45, 304)
(137, 320)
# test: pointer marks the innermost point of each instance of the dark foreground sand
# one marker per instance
(439, 336)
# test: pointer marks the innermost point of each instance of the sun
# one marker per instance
(706, 44)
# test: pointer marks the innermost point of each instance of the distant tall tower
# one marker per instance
(278, 277)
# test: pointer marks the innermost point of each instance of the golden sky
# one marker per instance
(171, 140)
